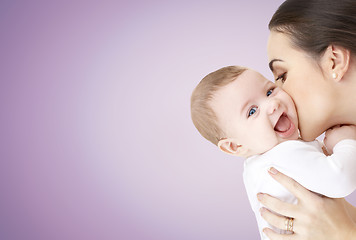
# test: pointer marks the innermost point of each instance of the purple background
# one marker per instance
(96, 136)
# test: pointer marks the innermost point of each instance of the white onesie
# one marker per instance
(333, 176)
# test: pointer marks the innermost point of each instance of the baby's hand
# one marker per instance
(337, 133)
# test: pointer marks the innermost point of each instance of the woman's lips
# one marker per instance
(284, 126)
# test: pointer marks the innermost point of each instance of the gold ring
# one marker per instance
(289, 224)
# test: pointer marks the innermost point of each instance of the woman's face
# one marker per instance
(302, 78)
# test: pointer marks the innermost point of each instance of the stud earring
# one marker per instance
(334, 75)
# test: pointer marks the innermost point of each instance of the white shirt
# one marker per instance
(333, 176)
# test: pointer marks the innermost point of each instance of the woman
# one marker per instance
(312, 54)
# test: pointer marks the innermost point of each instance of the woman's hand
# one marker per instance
(315, 217)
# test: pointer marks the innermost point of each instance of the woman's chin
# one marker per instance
(309, 134)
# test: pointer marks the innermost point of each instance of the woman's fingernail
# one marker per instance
(259, 196)
(273, 171)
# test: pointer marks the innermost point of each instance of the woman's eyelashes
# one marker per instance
(282, 77)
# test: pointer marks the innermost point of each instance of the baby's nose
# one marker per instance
(273, 106)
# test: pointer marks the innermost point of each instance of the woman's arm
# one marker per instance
(315, 217)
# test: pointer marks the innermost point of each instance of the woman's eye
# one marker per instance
(252, 111)
(269, 92)
(281, 77)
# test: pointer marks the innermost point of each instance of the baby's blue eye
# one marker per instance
(252, 111)
(269, 92)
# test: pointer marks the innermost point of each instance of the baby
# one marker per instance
(246, 115)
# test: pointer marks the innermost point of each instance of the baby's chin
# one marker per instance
(294, 136)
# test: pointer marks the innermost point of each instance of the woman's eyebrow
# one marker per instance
(271, 63)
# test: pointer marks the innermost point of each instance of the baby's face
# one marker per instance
(255, 112)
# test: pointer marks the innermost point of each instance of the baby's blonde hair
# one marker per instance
(203, 115)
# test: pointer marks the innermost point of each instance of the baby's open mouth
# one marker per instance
(284, 126)
(283, 123)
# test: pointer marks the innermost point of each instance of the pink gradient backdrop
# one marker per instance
(96, 136)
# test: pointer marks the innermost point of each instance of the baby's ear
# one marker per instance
(230, 146)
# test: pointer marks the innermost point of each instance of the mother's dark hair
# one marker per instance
(313, 25)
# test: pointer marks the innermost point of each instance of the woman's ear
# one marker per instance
(230, 146)
(335, 62)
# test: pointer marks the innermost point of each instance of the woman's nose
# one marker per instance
(273, 105)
